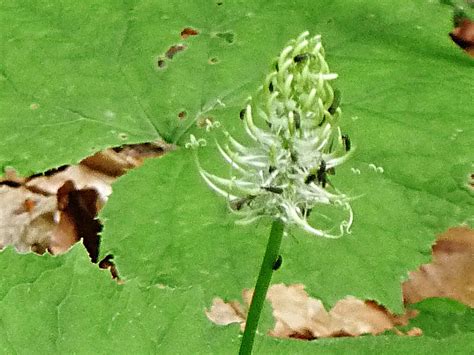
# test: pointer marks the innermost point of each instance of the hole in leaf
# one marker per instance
(108, 263)
(227, 36)
(161, 63)
(171, 52)
(219, 3)
(182, 115)
(80, 206)
(188, 31)
(213, 60)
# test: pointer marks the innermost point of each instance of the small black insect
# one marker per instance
(335, 102)
(270, 86)
(277, 263)
(346, 141)
(302, 57)
(274, 189)
(310, 178)
(297, 119)
(321, 174)
(276, 66)
(237, 205)
(242, 114)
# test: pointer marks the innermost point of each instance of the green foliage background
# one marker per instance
(79, 77)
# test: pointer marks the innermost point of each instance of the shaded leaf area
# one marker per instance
(85, 310)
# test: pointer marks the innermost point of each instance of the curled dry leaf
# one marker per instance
(117, 161)
(463, 35)
(81, 176)
(299, 316)
(26, 219)
(225, 313)
(450, 274)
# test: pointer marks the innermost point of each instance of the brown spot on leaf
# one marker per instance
(29, 204)
(187, 32)
(182, 115)
(213, 60)
(161, 63)
(171, 52)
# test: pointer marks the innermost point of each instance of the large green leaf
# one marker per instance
(398, 73)
(78, 77)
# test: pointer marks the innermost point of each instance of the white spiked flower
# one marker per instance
(284, 173)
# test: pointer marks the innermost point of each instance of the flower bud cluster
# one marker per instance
(297, 146)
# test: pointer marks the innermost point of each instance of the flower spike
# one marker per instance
(293, 122)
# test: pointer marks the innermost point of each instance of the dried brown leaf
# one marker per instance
(450, 274)
(463, 35)
(299, 316)
(225, 313)
(26, 219)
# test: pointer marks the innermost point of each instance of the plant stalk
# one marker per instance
(263, 281)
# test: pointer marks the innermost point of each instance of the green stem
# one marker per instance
(263, 281)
